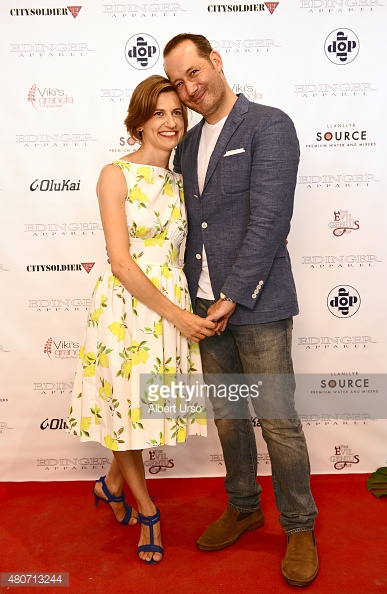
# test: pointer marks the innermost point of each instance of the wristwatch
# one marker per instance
(225, 298)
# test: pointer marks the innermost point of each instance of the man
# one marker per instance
(239, 167)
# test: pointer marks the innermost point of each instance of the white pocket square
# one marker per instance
(234, 152)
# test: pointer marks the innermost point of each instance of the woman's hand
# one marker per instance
(192, 326)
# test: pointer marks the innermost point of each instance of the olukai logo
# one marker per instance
(50, 185)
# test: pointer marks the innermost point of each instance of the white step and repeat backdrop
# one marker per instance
(68, 74)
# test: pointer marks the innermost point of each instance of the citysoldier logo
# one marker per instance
(60, 267)
(270, 6)
(73, 10)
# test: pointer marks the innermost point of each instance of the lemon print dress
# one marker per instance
(126, 341)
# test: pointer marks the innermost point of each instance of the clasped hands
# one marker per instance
(215, 323)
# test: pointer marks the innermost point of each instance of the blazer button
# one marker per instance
(198, 257)
(204, 225)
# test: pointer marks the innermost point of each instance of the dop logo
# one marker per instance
(341, 46)
(142, 51)
(343, 301)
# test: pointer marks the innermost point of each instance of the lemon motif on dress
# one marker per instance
(177, 291)
(110, 443)
(182, 434)
(141, 231)
(105, 390)
(118, 328)
(136, 195)
(146, 173)
(89, 360)
(175, 214)
(140, 354)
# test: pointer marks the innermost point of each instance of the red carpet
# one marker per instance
(54, 527)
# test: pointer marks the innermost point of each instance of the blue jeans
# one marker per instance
(261, 349)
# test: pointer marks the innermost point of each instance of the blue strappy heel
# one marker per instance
(151, 547)
(113, 499)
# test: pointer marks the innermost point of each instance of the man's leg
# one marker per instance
(265, 349)
(220, 358)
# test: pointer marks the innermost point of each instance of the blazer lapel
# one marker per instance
(231, 124)
(193, 150)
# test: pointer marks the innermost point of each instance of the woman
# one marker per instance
(140, 319)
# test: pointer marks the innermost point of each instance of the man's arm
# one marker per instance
(275, 161)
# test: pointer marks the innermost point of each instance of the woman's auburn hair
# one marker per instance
(143, 104)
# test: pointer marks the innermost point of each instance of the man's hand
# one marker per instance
(219, 312)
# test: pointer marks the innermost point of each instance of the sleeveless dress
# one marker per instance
(126, 341)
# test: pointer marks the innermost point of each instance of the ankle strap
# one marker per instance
(110, 497)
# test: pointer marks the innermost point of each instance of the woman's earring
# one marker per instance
(139, 129)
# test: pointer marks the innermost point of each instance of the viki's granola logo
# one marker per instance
(62, 349)
(343, 223)
(343, 457)
(48, 97)
(158, 462)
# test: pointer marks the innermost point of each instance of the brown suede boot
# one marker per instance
(299, 567)
(228, 528)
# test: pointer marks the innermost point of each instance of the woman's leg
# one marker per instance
(132, 468)
(114, 481)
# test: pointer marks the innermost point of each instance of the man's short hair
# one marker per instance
(201, 43)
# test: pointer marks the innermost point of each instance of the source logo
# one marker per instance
(341, 46)
(343, 301)
(142, 51)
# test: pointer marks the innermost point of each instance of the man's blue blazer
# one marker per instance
(246, 207)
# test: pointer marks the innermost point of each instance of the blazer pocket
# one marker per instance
(235, 172)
